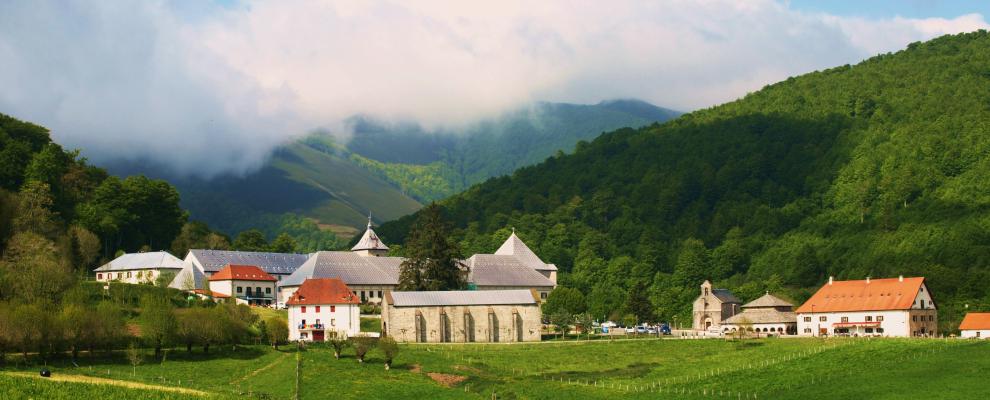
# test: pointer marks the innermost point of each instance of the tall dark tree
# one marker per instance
(251, 240)
(638, 303)
(284, 243)
(433, 257)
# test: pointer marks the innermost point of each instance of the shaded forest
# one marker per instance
(877, 169)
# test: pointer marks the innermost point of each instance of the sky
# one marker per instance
(213, 87)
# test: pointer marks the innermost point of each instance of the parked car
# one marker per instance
(642, 329)
(630, 330)
(665, 329)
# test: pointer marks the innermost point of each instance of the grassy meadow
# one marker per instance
(760, 369)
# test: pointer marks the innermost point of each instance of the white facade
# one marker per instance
(137, 276)
(975, 334)
(256, 291)
(920, 320)
(309, 321)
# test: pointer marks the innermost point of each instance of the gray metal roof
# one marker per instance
(150, 260)
(725, 296)
(762, 316)
(462, 298)
(514, 246)
(190, 277)
(503, 270)
(352, 268)
(272, 263)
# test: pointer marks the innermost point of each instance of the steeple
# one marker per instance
(370, 244)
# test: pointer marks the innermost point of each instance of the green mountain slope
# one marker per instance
(388, 170)
(877, 169)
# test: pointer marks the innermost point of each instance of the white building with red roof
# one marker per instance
(321, 307)
(897, 307)
(976, 325)
(246, 283)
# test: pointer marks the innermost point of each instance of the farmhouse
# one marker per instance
(139, 267)
(713, 307)
(873, 307)
(768, 314)
(370, 273)
(246, 283)
(462, 316)
(975, 325)
(322, 306)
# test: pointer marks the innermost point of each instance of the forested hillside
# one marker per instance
(876, 169)
(320, 187)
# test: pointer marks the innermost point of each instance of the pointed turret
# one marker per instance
(514, 246)
(370, 244)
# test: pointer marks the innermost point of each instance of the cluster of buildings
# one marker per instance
(323, 291)
(897, 307)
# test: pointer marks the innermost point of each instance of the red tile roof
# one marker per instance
(242, 273)
(975, 321)
(872, 295)
(323, 291)
(205, 292)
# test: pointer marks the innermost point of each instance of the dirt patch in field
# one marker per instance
(112, 382)
(447, 380)
(416, 368)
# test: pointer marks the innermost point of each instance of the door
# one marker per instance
(317, 336)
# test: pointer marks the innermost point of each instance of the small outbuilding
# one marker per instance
(462, 316)
(321, 307)
(976, 325)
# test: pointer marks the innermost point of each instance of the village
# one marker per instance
(324, 291)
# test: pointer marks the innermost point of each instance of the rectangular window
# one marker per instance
(879, 318)
(240, 289)
(248, 290)
(333, 308)
(543, 295)
(869, 318)
(333, 322)
(823, 318)
(128, 274)
(931, 317)
(268, 290)
(303, 309)
(379, 294)
(845, 319)
(362, 296)
(977, 333)
(879, 330)
(807, 330)
(317, 308)
(99, 276)
(807, 319)
(914, 318)
(922, 303)
(869, 330)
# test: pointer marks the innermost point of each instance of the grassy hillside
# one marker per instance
(683, 369)
(876, 169)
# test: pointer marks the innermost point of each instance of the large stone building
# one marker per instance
(462, 316)
(713, 307)
(322, 307)
(768, 314)
(872, 307)
(139, 267)
(370, 273)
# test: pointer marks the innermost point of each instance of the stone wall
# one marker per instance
(460, 324)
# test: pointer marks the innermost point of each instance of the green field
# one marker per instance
(762, 369)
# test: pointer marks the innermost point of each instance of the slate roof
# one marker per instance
(461, 298)
(872, 295)
(768, 300)
(352, 268)
(323, 291)
(975, 321)
(503, 270)
(513, 246)
(190, 277)
(149, 260)
(272, 263)
(725, 296)
(242, 273)
(369, 241)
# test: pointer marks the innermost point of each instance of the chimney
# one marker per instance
(867, 280)
(830, 280)
(900, 278)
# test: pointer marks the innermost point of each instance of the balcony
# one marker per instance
(311, 327)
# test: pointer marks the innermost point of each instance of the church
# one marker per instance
(713, 307)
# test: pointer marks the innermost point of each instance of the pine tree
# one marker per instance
(433, 261)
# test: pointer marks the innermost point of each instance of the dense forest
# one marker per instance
(871, 170)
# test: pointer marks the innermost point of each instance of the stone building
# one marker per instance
(462, 316)
(713, 307)
(769, 315)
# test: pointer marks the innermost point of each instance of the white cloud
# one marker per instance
(217, 92)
